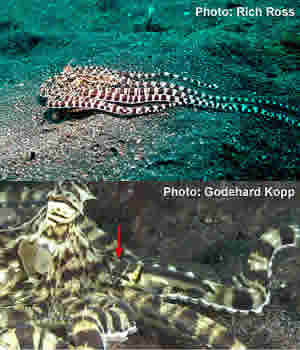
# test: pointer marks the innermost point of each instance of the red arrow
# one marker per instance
(119, 248)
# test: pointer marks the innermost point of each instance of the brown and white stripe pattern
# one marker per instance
(249, 291)
(181, 321)
(53, 271)
(83, 88)
(61, 273)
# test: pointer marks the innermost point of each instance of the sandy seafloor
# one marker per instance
(243, 55)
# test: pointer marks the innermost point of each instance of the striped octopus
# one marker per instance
(125, 93)
(63, 287)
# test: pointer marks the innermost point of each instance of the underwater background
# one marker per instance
(210, 236)
(244, 55)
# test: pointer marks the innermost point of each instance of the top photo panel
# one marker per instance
(150, 90)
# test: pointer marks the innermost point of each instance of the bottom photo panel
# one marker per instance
(127, 265)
